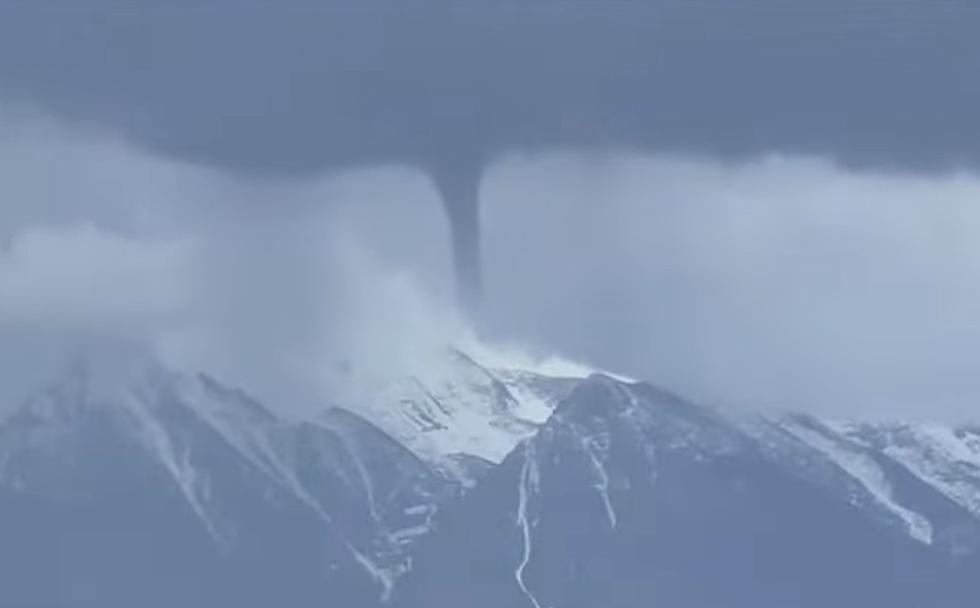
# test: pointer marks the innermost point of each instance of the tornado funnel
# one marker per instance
(459, 186)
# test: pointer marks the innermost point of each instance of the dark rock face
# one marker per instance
(148, 488)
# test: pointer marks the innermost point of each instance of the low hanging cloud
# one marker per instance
(266, 284)
(81, 275)
(786, 282)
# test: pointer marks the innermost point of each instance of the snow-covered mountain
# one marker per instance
(474, 481)
(123, 462)
(629, 496)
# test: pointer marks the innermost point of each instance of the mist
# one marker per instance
(777, 281)
(785, 282)
(267, 284)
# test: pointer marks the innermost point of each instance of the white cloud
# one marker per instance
(85, 276)
(267, 284)
(785, 282)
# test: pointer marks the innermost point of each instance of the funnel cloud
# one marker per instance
(459, 187)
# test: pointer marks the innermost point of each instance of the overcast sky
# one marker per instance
(295, 86)
(775, 206)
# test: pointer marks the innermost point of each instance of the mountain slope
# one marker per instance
(944, 457)
(629, 496)
(472, 484)
(200, 494)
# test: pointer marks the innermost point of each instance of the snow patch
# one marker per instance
(458, 403)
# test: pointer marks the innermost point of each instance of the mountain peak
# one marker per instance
(464, 404)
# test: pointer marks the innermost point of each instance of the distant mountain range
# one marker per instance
(471, 484)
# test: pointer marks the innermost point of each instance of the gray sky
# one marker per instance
(758, 203)
(781, 282)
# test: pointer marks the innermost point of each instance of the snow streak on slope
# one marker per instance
(857, 463)
(258, 436)
(126, 387)
(526, 489)
(190, 482)
(944, 457)
(636, 420)
(177, 420)
(596, 454)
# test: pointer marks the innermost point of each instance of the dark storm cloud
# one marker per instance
(297, 86)
(447, 86)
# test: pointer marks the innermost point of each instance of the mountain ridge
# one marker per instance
(607, 491)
